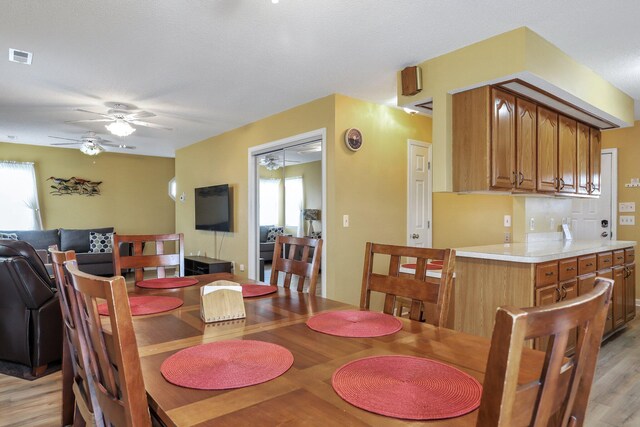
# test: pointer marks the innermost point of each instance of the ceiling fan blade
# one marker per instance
(128, 147)
(67, 143)
(140, 115)
(90, 121)
(93, 112)
(149, 125)
(67, 139)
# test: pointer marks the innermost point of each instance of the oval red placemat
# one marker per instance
(146, 305)
(251, 290)
(167, 283)
(407, 387)
(355, 324)
(226, 364)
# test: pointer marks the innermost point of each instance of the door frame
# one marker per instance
(429, 147)
(614, 189)
(252, 206)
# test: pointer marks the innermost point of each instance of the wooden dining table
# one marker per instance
(303, 395)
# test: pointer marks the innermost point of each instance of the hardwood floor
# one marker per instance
(615, 397)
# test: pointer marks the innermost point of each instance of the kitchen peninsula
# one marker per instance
(540, 273)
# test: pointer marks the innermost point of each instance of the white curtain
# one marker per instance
(294, 204)
(19, 195)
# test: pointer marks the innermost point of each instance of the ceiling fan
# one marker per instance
(91, 144)
(121, 116)
(273, 162)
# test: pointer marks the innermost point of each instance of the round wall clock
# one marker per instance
(353, 139)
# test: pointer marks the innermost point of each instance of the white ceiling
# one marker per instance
(208, 66)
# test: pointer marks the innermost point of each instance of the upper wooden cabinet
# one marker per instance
(504, 142)
(547, 150)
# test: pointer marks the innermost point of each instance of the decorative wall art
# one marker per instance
(73, 185)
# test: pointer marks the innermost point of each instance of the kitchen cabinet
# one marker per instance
(630, 293)
(505, 142)
(547, 150)
(567, 155)
(618, 299)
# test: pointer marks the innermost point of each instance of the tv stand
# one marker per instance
(198, 265)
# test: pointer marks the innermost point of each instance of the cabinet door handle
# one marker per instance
(515, 178)
(521, 175)
(564, 292)
(561, 183)
(558, 294)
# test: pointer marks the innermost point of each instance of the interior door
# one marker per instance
(591, 219)
(419, 195)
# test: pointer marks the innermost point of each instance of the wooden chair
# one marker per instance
(138, 261)
(560, 396)
(296, 261)
(423, 291)
(116, 372)
(78, 391)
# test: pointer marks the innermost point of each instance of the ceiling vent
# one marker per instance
(20, 56)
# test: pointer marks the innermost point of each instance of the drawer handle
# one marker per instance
(549, 273)
(589, 264)
(570, 268)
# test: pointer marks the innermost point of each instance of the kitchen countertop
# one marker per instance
(535, 252)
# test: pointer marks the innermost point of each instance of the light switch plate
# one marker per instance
(345, 221)
(627, 220)
(627, 207)
(507, 220)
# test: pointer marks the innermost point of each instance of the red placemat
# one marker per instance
(430, 266)
(250, 290)
(146, 305)
(407, 387)
(355, 324)
(226, 364)
(167, 283)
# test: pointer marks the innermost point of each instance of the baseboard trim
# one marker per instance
(638, 303)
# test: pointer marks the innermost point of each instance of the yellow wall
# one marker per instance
(369, 185)
(499, 58)
(461, 220)
(627, 141)
(133, 191)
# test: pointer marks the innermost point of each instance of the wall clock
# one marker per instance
(353, 139)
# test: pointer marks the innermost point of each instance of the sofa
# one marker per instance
(266, 248)
(30, 318)
(98, 263)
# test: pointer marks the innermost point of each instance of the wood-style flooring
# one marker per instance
(615, 397)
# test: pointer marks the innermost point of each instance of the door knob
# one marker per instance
(415, 236)
(604, 234)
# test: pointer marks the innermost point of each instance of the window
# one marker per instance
(269, 201)
(19, 195)
(293, 201)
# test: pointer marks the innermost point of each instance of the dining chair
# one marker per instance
(78, 391)
(138, 260)
(560, 395)
(113, 353)
(291, 256)
(423, 291)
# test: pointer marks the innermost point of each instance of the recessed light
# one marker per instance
(275, 1)
(20, 56)
(11, 136)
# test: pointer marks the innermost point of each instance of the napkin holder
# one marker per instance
(221, 300)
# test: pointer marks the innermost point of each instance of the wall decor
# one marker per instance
(73, 185)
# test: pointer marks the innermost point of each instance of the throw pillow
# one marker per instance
(273, 233)
(9, 236)
(100, 242)
(316, 235)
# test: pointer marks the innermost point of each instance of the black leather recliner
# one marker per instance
(30, 318)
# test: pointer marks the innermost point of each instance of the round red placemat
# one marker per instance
(355, 324)
(250, 290)
(407, 387)
(146, 305)
(226, 364)
(167, 283)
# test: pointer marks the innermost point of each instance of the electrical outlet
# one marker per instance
(507, 237)
(241, 267)
(627, 220)
(627, 207)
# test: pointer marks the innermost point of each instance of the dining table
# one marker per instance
(303, 395)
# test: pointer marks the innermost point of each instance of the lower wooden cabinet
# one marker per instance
(618, 297)
(630, 292)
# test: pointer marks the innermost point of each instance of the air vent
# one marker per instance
(20, 56)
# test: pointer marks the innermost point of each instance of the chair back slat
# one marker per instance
(291, 265)
(138, 261)
(117, 375)
(423, 291)
(75, 346)
(560, 395)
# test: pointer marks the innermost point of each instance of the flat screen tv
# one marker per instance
(214, 208)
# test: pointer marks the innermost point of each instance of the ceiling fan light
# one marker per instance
(120, 128)
(91, 149)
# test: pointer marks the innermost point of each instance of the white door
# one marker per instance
(419, 194)
(595, 219)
